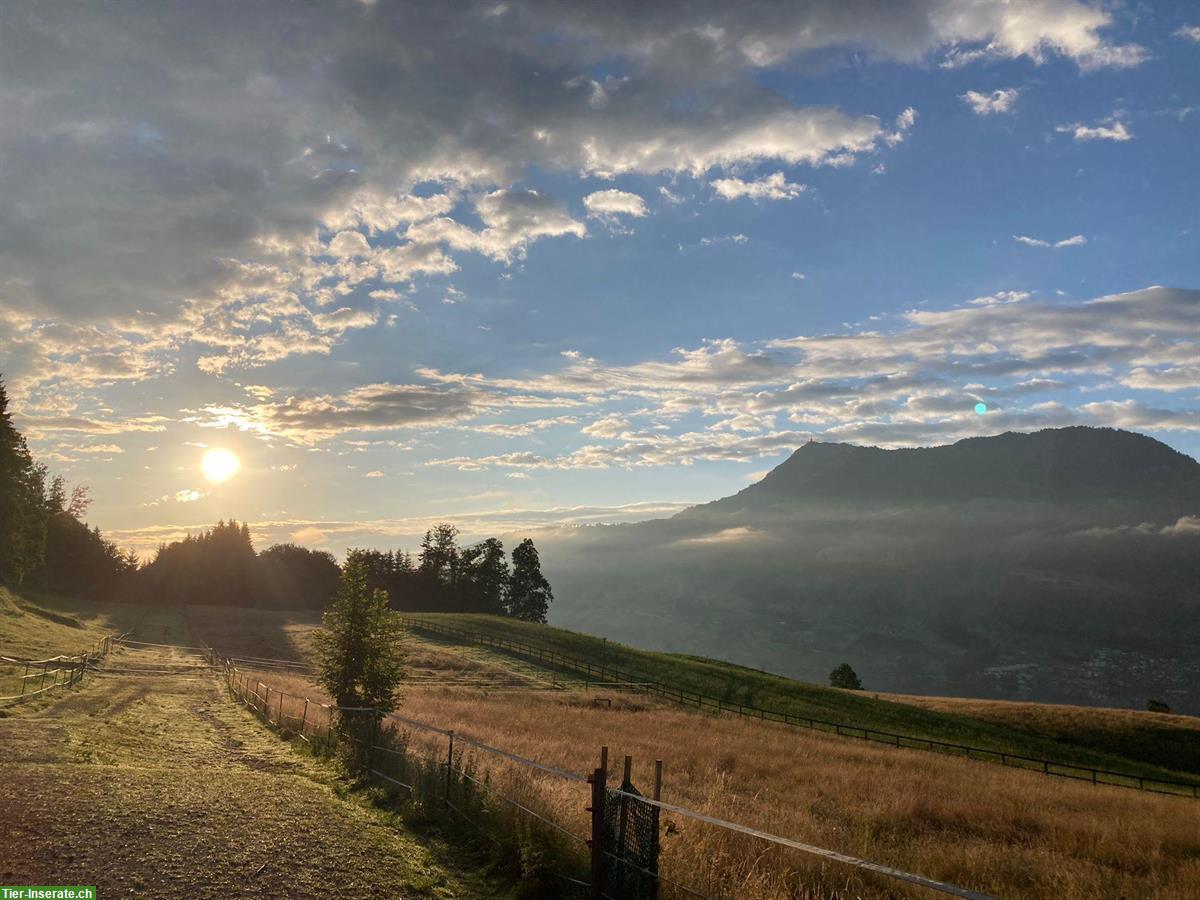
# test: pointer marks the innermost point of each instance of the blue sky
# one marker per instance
(525, 264)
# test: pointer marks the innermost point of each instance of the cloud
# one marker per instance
(1188, 33)
(613, 203)
(917, 382)
(242, 187)
(345, 318)
(1000, 101)
(723, 239)
(1110, 129)
(512, 220)
(372, 407)
(1075, 240)
(308, 535)
(770, 187)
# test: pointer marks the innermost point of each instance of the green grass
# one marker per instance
(38, 626)
(751, 687)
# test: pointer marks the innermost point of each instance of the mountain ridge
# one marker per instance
(1075, 464)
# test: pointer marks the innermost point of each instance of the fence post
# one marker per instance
(279, 714)
(449, 766)
(25, 679)
(304, 716)
(596, 842)
(622, 826)
(42, 682)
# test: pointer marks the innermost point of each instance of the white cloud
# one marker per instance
(738, 238)
(345, 318)
(1188, 32)
(916, 382)
(613, 203)
(348, 244)
(1075, 240)
(999, 101)
(770, 187)
(512, 220)
(1110, 129)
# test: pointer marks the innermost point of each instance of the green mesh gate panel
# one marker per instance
(631, 839)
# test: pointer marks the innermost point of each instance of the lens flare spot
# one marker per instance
(981, 408)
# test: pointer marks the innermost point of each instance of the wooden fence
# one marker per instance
(66, 672)
(640, 682)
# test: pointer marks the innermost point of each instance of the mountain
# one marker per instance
(1088, 465)
(1062, 565)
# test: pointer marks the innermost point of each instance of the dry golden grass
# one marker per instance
(1007, 832)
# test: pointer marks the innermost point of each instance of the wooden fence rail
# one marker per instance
(67, 671)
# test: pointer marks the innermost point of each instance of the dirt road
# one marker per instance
(151, 782)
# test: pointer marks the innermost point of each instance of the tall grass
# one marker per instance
(1007, 832)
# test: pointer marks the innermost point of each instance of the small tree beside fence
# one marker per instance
(360, 655)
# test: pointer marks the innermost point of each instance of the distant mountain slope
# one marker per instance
(1060, 565)
(1089, 465)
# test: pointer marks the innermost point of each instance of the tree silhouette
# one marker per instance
(845, 677)
(529, 594)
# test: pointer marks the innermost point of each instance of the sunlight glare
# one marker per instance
(219, 464)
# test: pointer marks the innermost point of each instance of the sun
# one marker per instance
(219, 464)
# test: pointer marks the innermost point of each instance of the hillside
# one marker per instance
(1152, 745)
(1060, 566)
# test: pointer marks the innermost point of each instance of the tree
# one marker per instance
(22, 503)
(439, 553)
(529, 595)
(297, 576)
(1157, 706)
(845, 677)
(485, 572)
(359, 649)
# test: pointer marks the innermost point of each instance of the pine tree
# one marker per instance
(359, 649)
(529, 595)
(22, 502)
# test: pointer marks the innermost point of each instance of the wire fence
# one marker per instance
(592, 839)
(38, 678)
(639, 682)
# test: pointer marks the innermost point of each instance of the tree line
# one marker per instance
(45, 544)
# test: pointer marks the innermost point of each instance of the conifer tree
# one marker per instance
(359, 649)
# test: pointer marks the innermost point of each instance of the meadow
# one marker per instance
(1007, 832)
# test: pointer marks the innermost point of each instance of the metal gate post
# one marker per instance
(596, 843)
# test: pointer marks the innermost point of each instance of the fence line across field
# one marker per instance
(842, 729)
(246, 683)
(74, 667)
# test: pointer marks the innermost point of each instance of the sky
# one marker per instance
(524, 264)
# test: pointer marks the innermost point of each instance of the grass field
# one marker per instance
(1152, 746)
(41, 626)
(1007, 832)
(1170, 741)
(161, 786)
